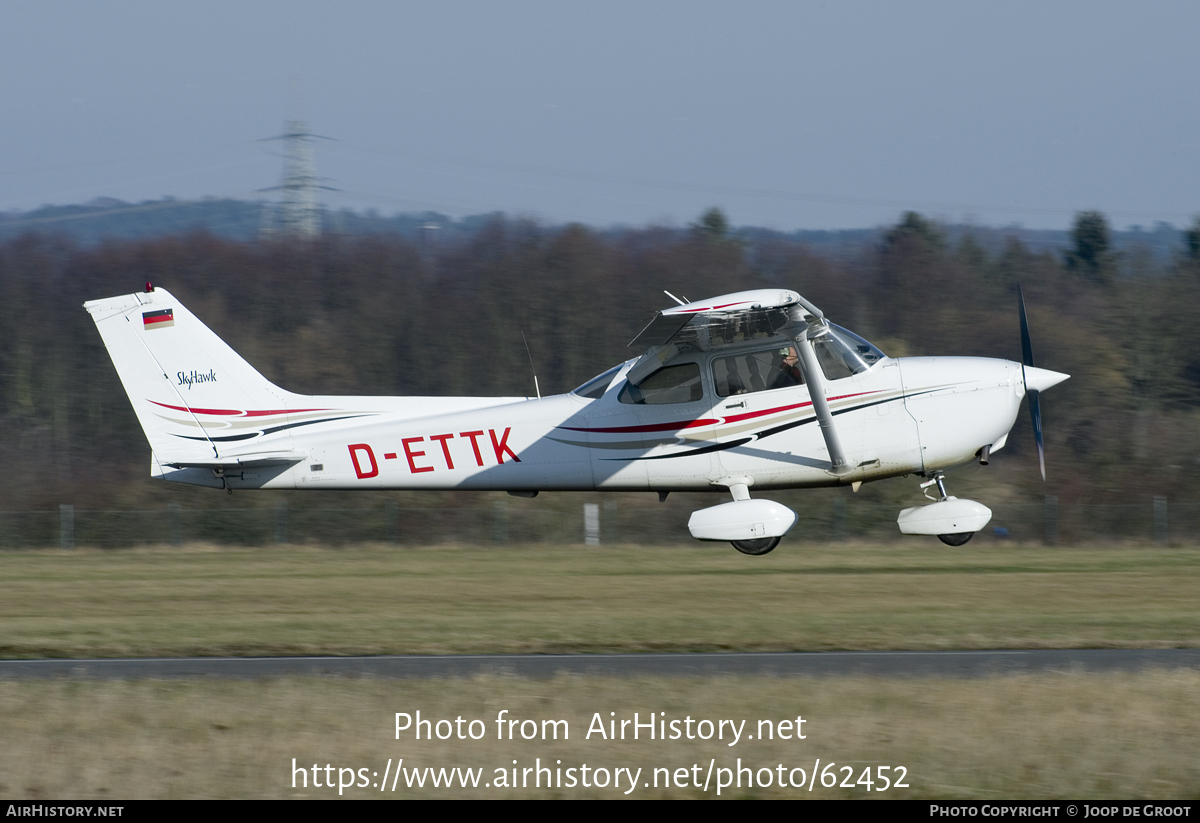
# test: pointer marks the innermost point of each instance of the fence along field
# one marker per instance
(497, 520)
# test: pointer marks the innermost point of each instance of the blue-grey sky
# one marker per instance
(785, 114)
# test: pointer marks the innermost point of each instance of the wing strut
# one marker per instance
(815, 381)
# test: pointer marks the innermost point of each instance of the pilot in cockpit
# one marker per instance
(787, 372)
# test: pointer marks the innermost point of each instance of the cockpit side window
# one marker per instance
(758, 371)
(670, 384)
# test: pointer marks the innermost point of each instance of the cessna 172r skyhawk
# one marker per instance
(748, 391)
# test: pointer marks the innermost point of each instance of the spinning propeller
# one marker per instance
(1035, 406)
(1036, 380)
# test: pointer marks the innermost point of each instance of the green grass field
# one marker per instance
(382, 600)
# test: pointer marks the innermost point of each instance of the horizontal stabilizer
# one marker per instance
(245, 462)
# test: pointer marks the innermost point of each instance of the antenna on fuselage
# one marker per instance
(673, 297)
(532, 367)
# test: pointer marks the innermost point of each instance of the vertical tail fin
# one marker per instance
(192, 393)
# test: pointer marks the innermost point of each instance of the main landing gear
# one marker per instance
(753, 527)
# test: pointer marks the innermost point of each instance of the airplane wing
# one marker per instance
(661, 329)
(723, 319)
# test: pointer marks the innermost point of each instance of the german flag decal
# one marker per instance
(158, 319)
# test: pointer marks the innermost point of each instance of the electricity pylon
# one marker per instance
(298, 213)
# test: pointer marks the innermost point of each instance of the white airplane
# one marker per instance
(752, 390)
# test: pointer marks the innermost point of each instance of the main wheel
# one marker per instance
(756, 547)
(956, 539)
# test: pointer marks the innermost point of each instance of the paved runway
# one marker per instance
(817, 664)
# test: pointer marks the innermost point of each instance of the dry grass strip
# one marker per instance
(1067, 735)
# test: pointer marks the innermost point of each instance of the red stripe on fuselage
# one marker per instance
(235, 412)
(282, 411)
(691, 424)
(733, 418)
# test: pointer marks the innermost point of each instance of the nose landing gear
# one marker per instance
(756, 547)
(953, 521)
(956, 538)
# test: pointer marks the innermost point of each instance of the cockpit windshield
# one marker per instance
(843, 353)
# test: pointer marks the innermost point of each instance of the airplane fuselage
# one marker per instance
(901, 416)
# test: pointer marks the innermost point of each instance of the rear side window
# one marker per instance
(670, 384)
(595, 388)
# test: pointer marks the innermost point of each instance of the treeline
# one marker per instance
(383, 315)
(106, 219)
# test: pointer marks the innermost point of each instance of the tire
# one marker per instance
(956, 539)
(763, 545)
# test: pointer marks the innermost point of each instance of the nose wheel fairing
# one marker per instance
(952, 520)
(950, 516)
